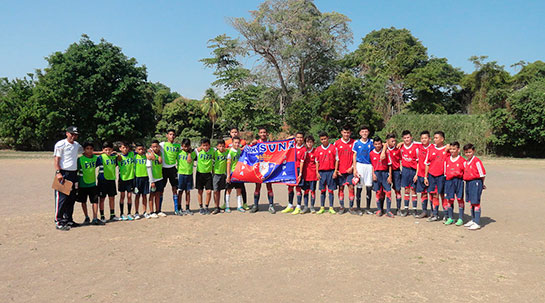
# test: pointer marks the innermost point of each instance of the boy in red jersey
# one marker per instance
(381, 172)
(310, 175)
(326, 156)
(454, 184)
(409, 163)
(394, 178)
(435, 171)
(299, 158)
(474, 175)
(344, 167)
(421, 186)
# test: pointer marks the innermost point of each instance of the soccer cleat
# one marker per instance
(379, 213)
(62, 227)
(341, 211)
(331, 210)
(153, 215)
(123, 218)
(321, 211)
(130, 217)
(245, 206)
(390, 215)
(413, 213)
(73, 224)
(445, 218)
(296, 211)
(352, 211)
(227, 210)
(305, 210)
(241, 209)
(201, 211)
(449, 221)
(223, 206)
(97, 222)
(433, 219)
(398, 212)
(468, 224)
(312, 210)
(368, 211)
(137, 216)
(272, 210)
(161, 214)
(475, 226)
(216, 211)
(404, 212)
(254, 209)
(460, 222)
(103, 219)
(87, 221)
(188, 212)
(423, 214)
(287, 210)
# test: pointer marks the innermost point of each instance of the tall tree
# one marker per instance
(211, 107)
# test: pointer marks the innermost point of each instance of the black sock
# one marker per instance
(187, 207)
(358, 197)
(121, 209)
(112, 213)
(368, 190)
(129, 208)
(102, 212)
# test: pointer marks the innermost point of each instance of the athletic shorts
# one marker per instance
(309, 185)
(234, 185)
(436, 184)
(454, 187)
(396, 180)
(185, 182)
(159, 186)
(345, 179)
(203, 181)
(300, 184)
(141, 186)
(382, 181)
(218, 182)
(420, 185)
(474, 190)
(125, 186)
(170, 174)
(407, 177)
(365, 172)
(84, 192)
(326, 179)
(106, 188)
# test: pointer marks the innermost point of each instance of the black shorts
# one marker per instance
(141, 185)
(84, 192)
(235, 185)
(203, 181)
(106, 188)
(171, 175)
(159, 186)
(219, 182)
(125, 186)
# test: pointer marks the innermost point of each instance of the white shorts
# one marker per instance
(365, 172)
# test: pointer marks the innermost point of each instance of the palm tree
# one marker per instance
(211, 107)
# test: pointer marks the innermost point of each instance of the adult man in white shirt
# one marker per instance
(65, 154)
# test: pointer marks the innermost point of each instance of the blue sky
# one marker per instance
(169, 37)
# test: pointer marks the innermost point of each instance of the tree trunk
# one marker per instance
(212, 133)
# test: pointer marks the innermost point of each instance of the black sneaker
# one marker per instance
(369, 212)
(423, 214)
(341, 211)
(398, 212)
(201, 211)
(97, 222)
(87, 221)
(62, 227)
(254, 209)
(272, 210)
(206, 210)
(433, 219)
(216, 211)
(73, 224)
(352, 211)
(413, 213)
(404, 212)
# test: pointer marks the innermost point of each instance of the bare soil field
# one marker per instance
(272, 258)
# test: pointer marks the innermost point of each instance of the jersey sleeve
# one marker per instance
(389, 158)
(480, 168)
(426, 159)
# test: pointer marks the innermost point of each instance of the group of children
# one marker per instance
(435, 171)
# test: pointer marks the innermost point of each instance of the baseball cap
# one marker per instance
(72, 130)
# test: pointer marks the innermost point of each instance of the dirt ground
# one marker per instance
(272, 258)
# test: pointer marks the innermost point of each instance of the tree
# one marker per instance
(211, 107)
(529, 73)
(296, 41)
(160, 96)
(186, 117)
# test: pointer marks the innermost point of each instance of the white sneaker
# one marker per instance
(162, 214)
(475, 226)
(147, 216)
(154, 215)
(136, 216)
(124, 218)
(130, 217)
(468, 224)
(116, 219)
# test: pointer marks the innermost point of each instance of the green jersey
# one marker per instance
(220, 162)
(205, 161)
(140, 166)
(185, 167)
(156, 169)
(87, 171)
(170, 153)
(107, 167)
(234, 155)
(126, 166)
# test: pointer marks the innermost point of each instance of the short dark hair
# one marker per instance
(171, 130)
(124, 143)
(236, 138)
(455, 143)
(377, 139)
(107, 144)
(220, 142)
(390, 136)
(155, 141)
(88, 144)
(205, 140)
(138, 144)
(186, 142)
(323, 134)
(300, 133)
(442, 134)
(262, 128)
(365, 127)
(233, 127)
(405, 132)
(425, 132)
(469, 146)
(347, 127)
(310, 138)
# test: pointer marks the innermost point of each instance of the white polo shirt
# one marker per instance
(68, 152)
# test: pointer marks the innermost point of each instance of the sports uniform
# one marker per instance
(185, 170)
(454, 186)
(326, 157)
(395, 156)
(220, 170)
(300, 152)
(409, 163)
(155, 175)
(381, 187)
(421, 187)
(125, 182)
(435, 159)
(106, 175)
(345, 154)
(205, 165)
(364, 169)
(141, 184)
(87, 187)
(310, 176)
(474, 173)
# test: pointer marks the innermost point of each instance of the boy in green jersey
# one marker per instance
(169, 153)
(141, 181)
(186, 157)
(220, 173)
(125, 183)
(232, 160)
(203, 179)
(154, 165)
(86, 184)
(106, 180)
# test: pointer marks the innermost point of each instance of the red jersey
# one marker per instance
(377, 163)
(300, 154)
(474, 169)
(454, 167)
(326, 157)
(345, 154)
(229, 143)
(409, 155)
(395, 157)
(435, 158)
(309, 165)
(422, 153)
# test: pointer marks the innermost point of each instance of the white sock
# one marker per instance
(239, 201)
(298, 206)
(290, 205)
(227, 197)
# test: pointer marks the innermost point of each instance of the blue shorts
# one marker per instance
(141, 185)
(345, 179)
(309, 185)
(420, 185)
(436, 184)
(407, 177)
(382, 181)
(185, 182)
(474, 190)
(326, 178)
(454, 187)
(301, 182)
(396, 180)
